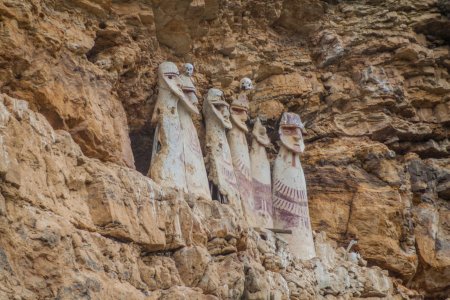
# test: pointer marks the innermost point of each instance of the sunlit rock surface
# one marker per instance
(85, 228)
(369, 79)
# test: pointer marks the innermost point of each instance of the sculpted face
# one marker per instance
(170, 77)
(188, 69)
(239, 112)
(239, 115)
(290, 131)
(219, 107)
(246, 84)
(260, 133)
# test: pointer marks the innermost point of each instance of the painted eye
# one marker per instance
(238, 110)
(289, 131)
(170, 76)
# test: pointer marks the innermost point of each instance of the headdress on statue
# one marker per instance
(289, 118)
(239, 111)
(169, 79)
(216, 105)
(241, 102)
(290, 130)
(260, 133)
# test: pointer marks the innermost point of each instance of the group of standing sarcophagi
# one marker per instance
(236, 176)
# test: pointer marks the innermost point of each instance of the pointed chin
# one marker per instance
(174, 87)
(297, 147)
(186, 102)
(239, 123)
(263, 140)
(226, 123)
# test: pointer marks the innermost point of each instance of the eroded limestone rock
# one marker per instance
(89, 68)
(84, 228)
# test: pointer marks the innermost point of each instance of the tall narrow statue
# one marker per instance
(218, 156)
(239, 150)
(167, 163)
(262, 181)
(290, 201)
(196, 178)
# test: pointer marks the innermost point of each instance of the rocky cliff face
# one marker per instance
(369, 78)
(76, 228)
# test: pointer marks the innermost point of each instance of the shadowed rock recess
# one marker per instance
(80, 220)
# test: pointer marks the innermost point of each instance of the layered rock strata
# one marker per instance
(73, 227)
(369, 79)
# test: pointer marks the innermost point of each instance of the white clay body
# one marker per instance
(196, 178)
(167, 163)
(290, 203)
(221, 165)
(240, 152)
(262, 190)
(218, 155)
(242, 169)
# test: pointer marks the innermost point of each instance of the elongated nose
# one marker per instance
(225, 111)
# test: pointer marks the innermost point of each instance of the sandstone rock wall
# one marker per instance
(73, 227)
(369, 78)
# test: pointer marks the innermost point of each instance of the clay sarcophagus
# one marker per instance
(167, 163)
(240, 152)
(218, 156)
(196, 178)
(262, 181)
(290, 201)
(177, 160)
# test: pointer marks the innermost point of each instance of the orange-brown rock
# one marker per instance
(75, 227)
(370, 80)
(367, 202)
